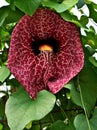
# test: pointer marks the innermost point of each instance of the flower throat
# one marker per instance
(50, 45)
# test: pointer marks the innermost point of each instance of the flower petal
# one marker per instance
(43, 23)
(70, 59)
(21, 58)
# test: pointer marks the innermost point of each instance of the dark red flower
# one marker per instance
(36, 67)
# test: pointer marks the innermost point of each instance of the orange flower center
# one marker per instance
(45, 47)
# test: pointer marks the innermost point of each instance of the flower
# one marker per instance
(45, 52)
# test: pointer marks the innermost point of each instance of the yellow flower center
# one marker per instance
(45, 47)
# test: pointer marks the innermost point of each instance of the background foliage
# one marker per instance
(75, 106)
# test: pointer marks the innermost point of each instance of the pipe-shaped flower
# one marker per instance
(45, 52)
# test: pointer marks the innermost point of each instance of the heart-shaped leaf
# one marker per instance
(81, 123)
(21, 109)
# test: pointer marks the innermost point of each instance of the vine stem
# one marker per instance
(52, 117)
(64, 114)
(86, 115)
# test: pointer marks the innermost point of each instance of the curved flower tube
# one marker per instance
(45, 52)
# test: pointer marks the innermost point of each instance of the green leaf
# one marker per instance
(35, 127)
(3, 17)
(60, 125)
(90, 39)
(29, 125)
(80, 3)
(7, 15)
(27, 6)
(66, 16)
(93, 60)
(69, 16)
(88, 1)
(65, 5)
(8, 1)
(83, 21)
(94, 5)
(93, 13)
(80, 122)
(4, 73)
(88, 82)
(1, 126)
(21, 109)
(75, 95)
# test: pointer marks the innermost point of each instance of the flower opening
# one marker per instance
(49, 44)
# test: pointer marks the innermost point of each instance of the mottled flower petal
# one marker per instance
(70, 59)
(46, 70)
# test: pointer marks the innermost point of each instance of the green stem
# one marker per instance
(64, 114)
(86, 115)
(52, 117)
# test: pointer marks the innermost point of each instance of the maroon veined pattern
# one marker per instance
(46, 70)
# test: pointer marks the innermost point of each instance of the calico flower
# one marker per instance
(45, 52)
